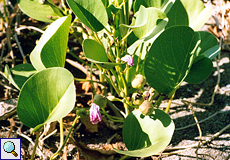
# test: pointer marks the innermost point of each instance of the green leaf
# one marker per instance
(199, 71)
(95, 52)
(157, 20)
(208, 41)
(46, 97)
(188, 13)
(113, 9)
(50, 50)
(212, 52)
(163, 5)
(177, 15)
(154, 17)
(170, 58)
(139, 19)
(92, 13)
(19, 74)
(46, 12)
(146, 135)
(197, 13)
(202, 64)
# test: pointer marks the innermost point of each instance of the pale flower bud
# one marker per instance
(111, 98)
(137, 99)
(138, 81)
(146, 108)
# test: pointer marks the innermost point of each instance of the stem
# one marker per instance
(125, 11)
(61, 139)
(53, 5)
(36, 144)
(126, 109)
(169, 104)
(65, 141)
(64, 6)
(98, 39)
(87, 80)
(61, 132)
(157, 104)
(126, 36)
(116, 77)
(138, 62)
(109, 117)
(5, 12)
(79, 59)
(91, 79)
(111, 81)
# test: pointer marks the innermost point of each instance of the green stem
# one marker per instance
(64, 6)
(139, 58)
(111, 81)
(116, 77)
(65, 141)
(36, 144)
(125, 11)
(116, 111)
(53, 5)
(91, 78)
(61, 139)
(109, 117)
(5, 12)
(157, 104)
(61, 132)
(126, 36)
(79, 59)
(98, 39)
(87, 80)
(169, 104)
(126, 109)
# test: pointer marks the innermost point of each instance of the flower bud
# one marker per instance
(128, 59)
(138, 81)
(146, 95)
(100, 100)
(94, 114)
(146, 108)
(111, 98)
(137, 99)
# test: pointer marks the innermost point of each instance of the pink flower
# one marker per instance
(128, 59)
(94, 114)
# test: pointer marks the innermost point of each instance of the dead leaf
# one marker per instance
(95, 154)
(88, 124)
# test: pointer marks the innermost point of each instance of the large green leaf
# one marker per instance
(50, 50)
(46, 97)
(208, 44)
(202, 65)
(163, 5)
(188, 13)
(95, 52)
(146, 135)
(199, 71)
(139, 19)
(170, 58)
(46, 12)
(92, 13)
(146, 34)
(19, 74)
(197, 13)
(154, 17)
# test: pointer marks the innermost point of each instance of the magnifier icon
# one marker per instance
(9, 147)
